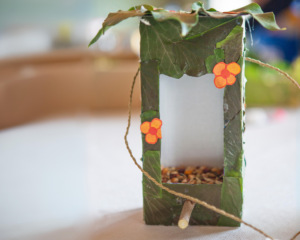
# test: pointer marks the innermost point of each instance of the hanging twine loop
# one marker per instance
(211, 207)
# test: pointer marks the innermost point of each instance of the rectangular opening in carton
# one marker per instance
(191, 109)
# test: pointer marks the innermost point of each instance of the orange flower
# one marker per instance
(152, 130)
(225, 73)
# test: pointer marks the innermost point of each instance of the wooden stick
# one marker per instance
(185, 215)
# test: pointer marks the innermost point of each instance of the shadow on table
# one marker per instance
(130, 225)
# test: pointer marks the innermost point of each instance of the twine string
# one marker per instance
(296, 235)
(205, 204)
(272, 67)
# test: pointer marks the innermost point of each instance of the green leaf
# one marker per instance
(150, 147)
(148, 116)
(204, 24)
(98, 35)
(233, 129)
(232, 45)
(156, 43)
(211, 10)
(113, 19)
(236, 31)
(151, 164)
(231, 200)
(159, 211)
(250, 8)
(267, 20)
(207, 193)
(186, 20)
(219, 53)
(233, 143)
(212, 60)
(191, 59)
(166, 210)
(150, 85)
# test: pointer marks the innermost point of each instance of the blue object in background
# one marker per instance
(285, 45)
(270, 45)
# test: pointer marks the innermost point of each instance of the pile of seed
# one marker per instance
(192, 175)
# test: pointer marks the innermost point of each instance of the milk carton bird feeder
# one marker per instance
(193, 109)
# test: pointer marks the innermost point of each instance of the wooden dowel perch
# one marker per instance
(185, 215)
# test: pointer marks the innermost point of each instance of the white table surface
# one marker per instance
(72, 178)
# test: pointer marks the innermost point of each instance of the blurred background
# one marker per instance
(59, 102)
(46, 67)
